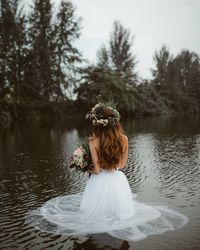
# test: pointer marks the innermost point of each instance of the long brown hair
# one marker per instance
(111, 142)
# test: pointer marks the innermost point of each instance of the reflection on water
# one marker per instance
(101, 241)
(164, 168)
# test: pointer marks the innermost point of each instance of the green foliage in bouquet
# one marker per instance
(81, 157)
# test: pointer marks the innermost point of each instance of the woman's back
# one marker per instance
(94, 144)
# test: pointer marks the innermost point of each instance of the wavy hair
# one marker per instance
(111, 141)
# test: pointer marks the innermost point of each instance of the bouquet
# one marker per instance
(81, 158)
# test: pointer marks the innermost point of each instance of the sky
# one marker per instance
(153, 23)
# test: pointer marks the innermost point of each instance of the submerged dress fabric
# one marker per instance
(107, 205)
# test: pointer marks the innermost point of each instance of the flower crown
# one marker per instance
(99, 119)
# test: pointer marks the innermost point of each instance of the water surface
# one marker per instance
(164, 168)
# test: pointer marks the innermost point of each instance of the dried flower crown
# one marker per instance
(99, 119)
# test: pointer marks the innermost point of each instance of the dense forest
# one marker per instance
(44, 76)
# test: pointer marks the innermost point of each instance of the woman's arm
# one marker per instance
(124, 158)
(94, 156)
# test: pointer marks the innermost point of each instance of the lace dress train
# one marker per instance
(106, 205)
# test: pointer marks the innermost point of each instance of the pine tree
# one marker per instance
(162, 59)
(113, 76)
(188, 71)
(12, 53)
(66, 56)
(40, 34)
(103, 59)
(122, 60)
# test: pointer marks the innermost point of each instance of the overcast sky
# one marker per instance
(175, 23)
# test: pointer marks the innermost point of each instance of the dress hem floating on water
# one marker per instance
(107, 205)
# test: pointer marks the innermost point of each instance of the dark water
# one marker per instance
(164, 167)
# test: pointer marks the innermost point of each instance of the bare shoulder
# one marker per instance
(125, 138)
(93, 141)
(125, 142)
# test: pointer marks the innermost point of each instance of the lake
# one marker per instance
(163, 168)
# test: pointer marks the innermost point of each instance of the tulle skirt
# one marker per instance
(106, 205)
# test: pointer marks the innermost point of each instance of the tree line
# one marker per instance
(40, 67)
(37, 57)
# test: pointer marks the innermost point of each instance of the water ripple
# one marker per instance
(163, 168)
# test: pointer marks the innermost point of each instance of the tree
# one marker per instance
(13, 50)
(112, 77)
(37, 56)
(53, 53)
(42, 50)
(177, 79)
(188, 71)
(162, 59)
(117, 56)
(122, 60)
(66, 56)
(100, 86)
(103, 59)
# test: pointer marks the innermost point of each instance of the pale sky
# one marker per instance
(175, 23)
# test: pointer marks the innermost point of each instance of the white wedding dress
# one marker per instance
(106, 205)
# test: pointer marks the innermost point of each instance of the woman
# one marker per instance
(107, 193)
(108, 143)
(107, 203)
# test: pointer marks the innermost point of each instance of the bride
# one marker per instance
(107, 204)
